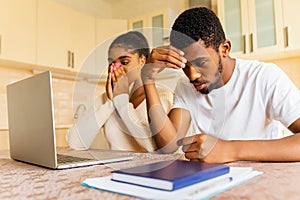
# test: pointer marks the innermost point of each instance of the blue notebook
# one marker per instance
(170, 175)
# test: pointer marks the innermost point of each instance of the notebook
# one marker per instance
(203, 190)
(170, 175)
(32, 128)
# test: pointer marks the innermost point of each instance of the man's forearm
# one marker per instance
(285, 149)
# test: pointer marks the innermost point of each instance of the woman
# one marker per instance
(123, 113)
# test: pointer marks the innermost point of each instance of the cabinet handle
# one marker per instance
(72, 60)
(69, 58)
(244, 44)
(286, 36)
(0, 44)
(251, 42)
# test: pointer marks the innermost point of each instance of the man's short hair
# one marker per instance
(194, 24)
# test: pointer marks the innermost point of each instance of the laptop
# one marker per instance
(32, 128)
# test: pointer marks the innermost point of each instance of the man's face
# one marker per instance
(204, 67)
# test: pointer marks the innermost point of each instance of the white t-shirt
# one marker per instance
(249, 106)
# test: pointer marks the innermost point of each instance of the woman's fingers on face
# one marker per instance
(109, 86)
(118, 70)
(121, 70)
(108, 81)
(113, 77)
(118, 73)
(109, 68)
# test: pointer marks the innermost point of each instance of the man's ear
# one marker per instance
(225, 48)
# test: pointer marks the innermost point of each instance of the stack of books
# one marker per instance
(173, 179)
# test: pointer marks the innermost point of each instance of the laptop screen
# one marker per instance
(31, 120)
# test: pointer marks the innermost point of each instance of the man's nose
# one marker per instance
(193, 74)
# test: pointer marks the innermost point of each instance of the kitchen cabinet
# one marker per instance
(18, 30)
(255, 27)
(64, 36)
(291, 24)
(106, 31)
(156, 26)
(82, 40)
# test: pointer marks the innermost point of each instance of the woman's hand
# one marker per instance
(117, 81)
(108, 86)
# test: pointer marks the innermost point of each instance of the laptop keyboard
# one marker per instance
(63, 159)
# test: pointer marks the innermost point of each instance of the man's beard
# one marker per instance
(217, 84)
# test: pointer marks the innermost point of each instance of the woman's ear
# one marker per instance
(225, 48)
(142, 60)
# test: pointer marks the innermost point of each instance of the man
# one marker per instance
(234, 105)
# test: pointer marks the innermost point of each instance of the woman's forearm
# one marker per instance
(82, 134)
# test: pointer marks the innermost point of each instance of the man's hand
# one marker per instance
(206, 148)
(161, 58)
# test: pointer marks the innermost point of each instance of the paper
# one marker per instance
(203, 190)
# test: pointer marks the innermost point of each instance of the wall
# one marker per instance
(291, 66)
(65, 103)
(122, 9)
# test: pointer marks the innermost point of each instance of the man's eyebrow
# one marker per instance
(197, 60)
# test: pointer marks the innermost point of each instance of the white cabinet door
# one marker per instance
(156, 26)
(82, 41)
(106, 31)
(291, 10)
(233, 17)
(265, 26)
(18, 30)
(53, 32)
(65, 36)
(253, 26)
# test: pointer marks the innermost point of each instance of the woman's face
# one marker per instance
(125, 57)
